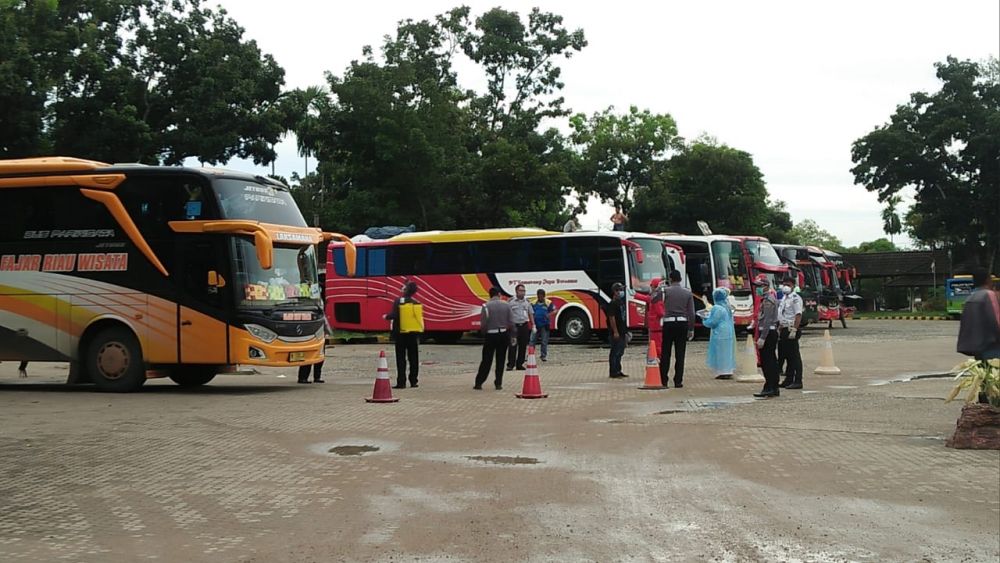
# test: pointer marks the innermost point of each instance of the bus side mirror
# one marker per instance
(215, 279)
(265, 249)
(350, 251)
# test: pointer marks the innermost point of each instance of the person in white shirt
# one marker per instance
(522, 315)
(789, 319)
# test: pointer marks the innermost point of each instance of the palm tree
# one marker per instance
(891, 223)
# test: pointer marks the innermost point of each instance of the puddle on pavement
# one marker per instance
(503, 459)
(695, 405)
(353, 450)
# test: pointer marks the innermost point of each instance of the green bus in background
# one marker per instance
(957, 290)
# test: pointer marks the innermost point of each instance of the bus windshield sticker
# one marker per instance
(279, 292)
(262, 194)
(193, 209)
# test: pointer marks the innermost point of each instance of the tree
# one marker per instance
(807, 232)
(890, 218)
(944, 146)
(139, 80)
(717, 184)
(402, 144)
(877, 245)
(618, 153)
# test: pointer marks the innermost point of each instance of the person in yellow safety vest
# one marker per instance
(407, 318)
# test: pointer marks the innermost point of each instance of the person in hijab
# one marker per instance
(722, 344)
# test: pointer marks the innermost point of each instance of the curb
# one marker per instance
(904, 318)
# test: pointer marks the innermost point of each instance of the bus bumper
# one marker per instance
(246, 349)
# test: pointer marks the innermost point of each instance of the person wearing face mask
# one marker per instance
(615, 312)
(789, 318)
(721, 356)
(767, 336)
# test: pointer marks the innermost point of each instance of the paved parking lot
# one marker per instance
(258, 468)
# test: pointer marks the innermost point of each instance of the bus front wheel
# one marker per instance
(192, 376)
(114, 361)
(574, 327)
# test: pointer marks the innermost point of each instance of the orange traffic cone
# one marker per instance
(653, 380)
(383, 391)
(826, 364)
(532, 387)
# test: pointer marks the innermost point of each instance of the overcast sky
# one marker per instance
(792, 83)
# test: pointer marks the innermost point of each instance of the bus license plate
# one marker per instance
(296, 356)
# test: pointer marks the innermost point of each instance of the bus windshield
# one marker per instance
(730, 268)
(291, 279)
(652, 261)
(762, 251)
(243, 199)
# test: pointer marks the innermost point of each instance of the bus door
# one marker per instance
(204, 299)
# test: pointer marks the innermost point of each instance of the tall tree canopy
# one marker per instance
(946, 147)
(713, 183)
(402, 143)
(808, 232)
(619, 153)
(134, 80)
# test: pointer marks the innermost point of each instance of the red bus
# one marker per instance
(455, 270)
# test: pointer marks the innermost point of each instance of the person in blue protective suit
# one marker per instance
(721, 346)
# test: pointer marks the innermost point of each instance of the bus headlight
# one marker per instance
(261, 333)
(321, 333)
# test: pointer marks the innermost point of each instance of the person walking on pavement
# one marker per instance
(678, 328)
(317, 369)
(407, 318)
(979, 329)
(767, 336)
(615, 313)
(522, 315)
(542, 309)
(654, 313)
(789, 319)
(721, 356)
(496, 323)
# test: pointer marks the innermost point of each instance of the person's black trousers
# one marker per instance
(674, 335)
(789, 349)
(317, 370)
(515, 355)
(407, 349)
(494, 348)
(769, 362)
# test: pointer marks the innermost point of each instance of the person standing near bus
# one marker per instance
(542, 309)
(789, 320)
(522, 314)
(618, 219)
(721, 357)
(495, 321)
(979, 329)
(654, 314)
(678, 328)
(615, 312)
(767, 336)
(407, 318)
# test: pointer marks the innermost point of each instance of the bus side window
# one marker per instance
(448, 258)
(360, 263)
(376, 262)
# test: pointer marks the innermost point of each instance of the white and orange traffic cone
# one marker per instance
(826, 364)
(746, 364)
(532, 387)
(383, 391)
(653, 380)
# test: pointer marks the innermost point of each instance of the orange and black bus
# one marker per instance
(131, 271)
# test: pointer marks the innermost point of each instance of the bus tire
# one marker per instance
(114, 361)
(574, 327)
(192, 376)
